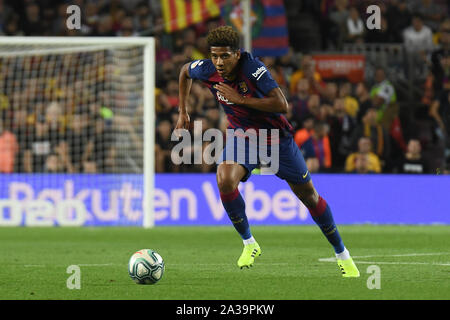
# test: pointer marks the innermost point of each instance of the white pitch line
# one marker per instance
(333, 259)
(220, 264)
(34, 265)
(80, 265)
(386, 262)
(171, 265)
(96, 265)
(404, 255)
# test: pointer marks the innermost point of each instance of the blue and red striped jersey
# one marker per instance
(253, 80)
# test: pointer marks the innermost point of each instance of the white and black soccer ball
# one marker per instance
(146, 267)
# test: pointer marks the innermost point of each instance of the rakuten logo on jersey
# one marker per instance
(259, 72)
(222, 98)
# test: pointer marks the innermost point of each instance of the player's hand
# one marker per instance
(229, 93)
(184, 122)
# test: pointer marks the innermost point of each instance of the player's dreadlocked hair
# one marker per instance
(224, 36)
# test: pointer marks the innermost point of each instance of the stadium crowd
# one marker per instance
(339, 126)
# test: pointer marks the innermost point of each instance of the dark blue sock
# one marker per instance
(322, 216)
(234, 205)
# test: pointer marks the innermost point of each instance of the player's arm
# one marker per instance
(184, 84)
(275, 101)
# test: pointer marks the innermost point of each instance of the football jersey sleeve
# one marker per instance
(201, 69)
(261, 77)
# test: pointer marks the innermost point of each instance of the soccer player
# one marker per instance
(251, 99)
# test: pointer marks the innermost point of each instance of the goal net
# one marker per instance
(76, 131)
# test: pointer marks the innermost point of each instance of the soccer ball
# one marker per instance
(146, 267)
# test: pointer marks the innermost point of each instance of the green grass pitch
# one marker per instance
(414, 263)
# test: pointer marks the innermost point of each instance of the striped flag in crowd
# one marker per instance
(269, 25)
(179, 14)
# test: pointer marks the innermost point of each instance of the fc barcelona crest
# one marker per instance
(243, 87)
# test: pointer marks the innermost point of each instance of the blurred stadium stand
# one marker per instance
(315, 27)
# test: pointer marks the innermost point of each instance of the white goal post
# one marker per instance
(129, 61)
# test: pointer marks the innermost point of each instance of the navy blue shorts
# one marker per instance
(291, 164)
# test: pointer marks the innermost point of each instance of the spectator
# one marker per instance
(355, 27)
(371, 129)
(5, 12)
(59, 26)
(440, 63)
(163, 107)
(143, 17)
(412, 161)
(163, 147)
(287, 63)
(362, 164)
(364, 148)
(316, 150)
(91, 18)
(314, 106)
(11, 26)
(171, 92)
(398, 18)
(32, 25)
(168, 73)
(118, 18)
(104, 27)
(162, 54)
(189, 37)
(89, 167)
(350, 103)
(440, 112)
(339, 16)
(382, 35)
(9, 148)
(316, 85)
(78, 138)
(418, 37)
(341, 128)
(304, 133)
(299, 102)
(213, 116)
(22, 131)
(100, 147)
(201, 50)
(55, 120)
(38, 148)
(331, 93)
(364, 101)
(431, 12)
(125, 28)
(53, 164)
(384, 98)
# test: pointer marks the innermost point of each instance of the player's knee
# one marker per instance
(308, 196)
(226, 184)
(311, 198)
(228, 177)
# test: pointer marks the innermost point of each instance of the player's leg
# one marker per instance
(322, 216)
(320, 212)
(293, 169)
(228, 177)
